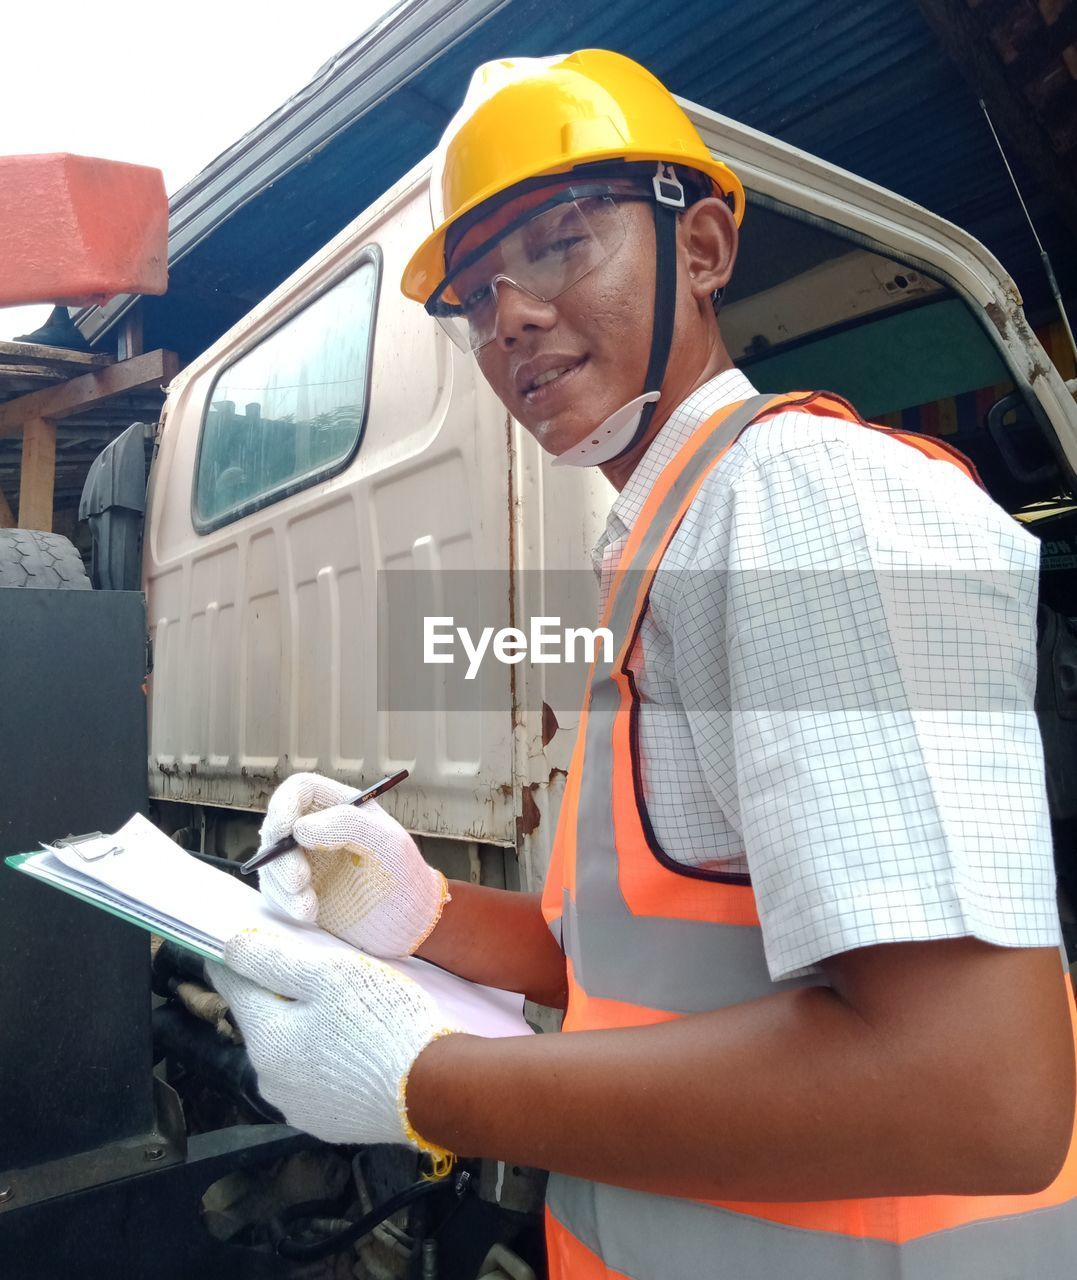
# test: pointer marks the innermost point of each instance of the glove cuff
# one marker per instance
(443, 896)
(442, 1158)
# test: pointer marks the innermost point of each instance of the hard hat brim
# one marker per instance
(426, 268)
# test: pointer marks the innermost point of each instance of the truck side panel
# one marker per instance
(266, 630)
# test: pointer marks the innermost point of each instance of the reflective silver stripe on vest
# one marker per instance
(684, 966)
(649, 1237)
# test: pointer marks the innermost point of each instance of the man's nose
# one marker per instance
(518, 311)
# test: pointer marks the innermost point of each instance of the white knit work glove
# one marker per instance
(332, 1035)
(357, 873)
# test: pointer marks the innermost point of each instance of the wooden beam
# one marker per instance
(130, 338)
(45, 365)
(153, 369)
(36, 375)
(37, 478)
(7, 516)
(32, 352)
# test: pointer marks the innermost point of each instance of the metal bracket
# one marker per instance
(164, 1144)
(667, 186)
(149, 1222)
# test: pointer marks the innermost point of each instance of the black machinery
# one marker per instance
(97, 1176)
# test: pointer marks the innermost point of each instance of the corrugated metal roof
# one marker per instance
(865, 85)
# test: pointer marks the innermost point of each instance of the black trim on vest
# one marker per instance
(679, 868)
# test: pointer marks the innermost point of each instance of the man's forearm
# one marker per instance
(741, 1104)
(792, 1097)
(499, 938)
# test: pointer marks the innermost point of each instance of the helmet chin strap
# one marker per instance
(613, 437)
(622, 431)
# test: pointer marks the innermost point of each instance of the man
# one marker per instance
(801, 911)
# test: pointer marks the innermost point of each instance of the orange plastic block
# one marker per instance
(76, 230)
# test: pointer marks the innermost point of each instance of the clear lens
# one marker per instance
(458, 330)
(544, 256)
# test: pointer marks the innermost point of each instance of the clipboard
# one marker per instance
(141, 876)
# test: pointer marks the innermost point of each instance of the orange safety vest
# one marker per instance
(646, 942)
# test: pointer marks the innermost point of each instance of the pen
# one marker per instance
(286, 843)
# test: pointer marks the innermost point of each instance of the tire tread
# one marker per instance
(30, 558)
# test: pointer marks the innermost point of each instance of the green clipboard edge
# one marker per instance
(15, 862)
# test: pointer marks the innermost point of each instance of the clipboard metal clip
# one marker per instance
(90, 847)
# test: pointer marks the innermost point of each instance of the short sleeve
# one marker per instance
(884, 763)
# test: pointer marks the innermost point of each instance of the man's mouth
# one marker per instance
(543, 385)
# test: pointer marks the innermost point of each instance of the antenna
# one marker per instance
(1056, 293)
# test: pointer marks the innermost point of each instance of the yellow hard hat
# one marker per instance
(526, 118)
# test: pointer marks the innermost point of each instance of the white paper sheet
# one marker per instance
(166, 889)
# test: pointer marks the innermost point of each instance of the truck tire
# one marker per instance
(29, 558)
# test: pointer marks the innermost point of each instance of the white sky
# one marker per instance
(168, 85)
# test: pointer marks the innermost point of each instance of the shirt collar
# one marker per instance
(725, 388)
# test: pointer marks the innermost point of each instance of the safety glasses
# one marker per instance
(544, 252)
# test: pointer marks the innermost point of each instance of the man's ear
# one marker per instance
(708, 238)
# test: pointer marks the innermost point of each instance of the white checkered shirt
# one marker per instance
(836, 674)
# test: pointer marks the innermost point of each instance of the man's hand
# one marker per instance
(357, 872)
(332, 1036)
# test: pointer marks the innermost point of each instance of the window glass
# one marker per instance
(291, 410)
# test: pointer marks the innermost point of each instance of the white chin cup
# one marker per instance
(609, 438)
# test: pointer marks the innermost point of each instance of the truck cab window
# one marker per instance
(291, 410)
